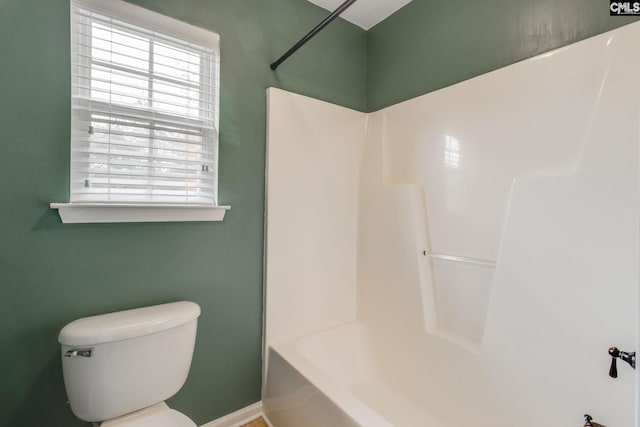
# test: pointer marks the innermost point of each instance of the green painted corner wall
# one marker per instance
(52, 273)
(429, 44)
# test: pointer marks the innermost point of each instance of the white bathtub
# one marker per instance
(353, 376)
(332, 379)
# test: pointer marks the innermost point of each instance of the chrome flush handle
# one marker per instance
(79, 352)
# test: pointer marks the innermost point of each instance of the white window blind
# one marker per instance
(144, 107)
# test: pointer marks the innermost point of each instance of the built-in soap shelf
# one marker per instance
(462, 259)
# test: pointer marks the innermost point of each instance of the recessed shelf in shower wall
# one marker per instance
(461, 286)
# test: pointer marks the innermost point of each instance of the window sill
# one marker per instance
(82, 213)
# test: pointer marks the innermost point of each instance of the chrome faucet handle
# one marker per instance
(615, 354)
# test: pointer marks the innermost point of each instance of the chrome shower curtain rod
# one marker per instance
(313, 32)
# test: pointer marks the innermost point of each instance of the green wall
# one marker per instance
(430, 44)
(52, 273)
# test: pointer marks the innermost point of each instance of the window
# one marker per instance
(144, 107)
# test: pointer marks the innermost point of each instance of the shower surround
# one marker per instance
(463, 258)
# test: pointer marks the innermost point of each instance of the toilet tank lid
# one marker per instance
(128, 324)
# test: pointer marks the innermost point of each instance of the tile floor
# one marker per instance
(259, 422)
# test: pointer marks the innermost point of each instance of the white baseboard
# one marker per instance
(238, 418)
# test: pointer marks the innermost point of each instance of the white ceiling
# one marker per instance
(364, 13)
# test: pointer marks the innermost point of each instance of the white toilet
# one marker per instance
(119, 368)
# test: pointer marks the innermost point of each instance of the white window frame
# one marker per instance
(81, 212)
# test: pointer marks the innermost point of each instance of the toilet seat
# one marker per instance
(159, 415)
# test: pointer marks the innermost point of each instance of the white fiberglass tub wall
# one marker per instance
(314, 149)
(521, 187)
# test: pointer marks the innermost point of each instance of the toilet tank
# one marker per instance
(118, 363)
